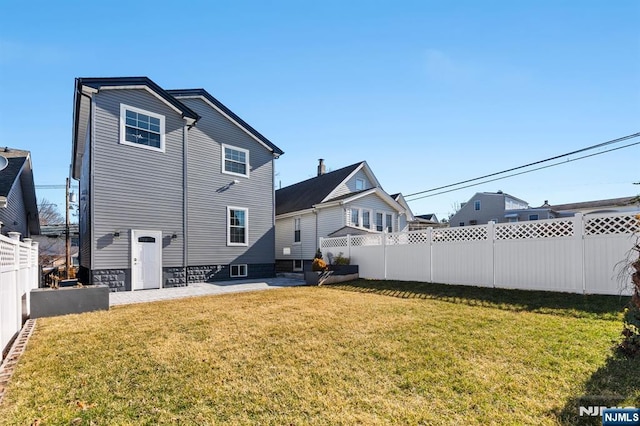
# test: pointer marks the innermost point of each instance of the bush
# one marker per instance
(341, 260)
(318, 265)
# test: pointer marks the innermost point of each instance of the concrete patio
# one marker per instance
(201, 289)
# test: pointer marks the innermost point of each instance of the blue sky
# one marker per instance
(427, 92)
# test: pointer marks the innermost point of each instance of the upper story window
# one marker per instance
(140, 128)
(476, 205)
(359, 184)
(237, 226)
(296, 230)
(235, 161)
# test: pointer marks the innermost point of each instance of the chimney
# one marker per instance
(321, 167)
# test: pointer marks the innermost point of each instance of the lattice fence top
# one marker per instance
(24, 256)
(534, 229)
(367, 240)
(460, 234)
(7, 254)
(334, 242)
(414, 237)
(609, 225)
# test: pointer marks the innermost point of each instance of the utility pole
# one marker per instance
(68, 238)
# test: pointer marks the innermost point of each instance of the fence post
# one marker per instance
(349, 245)
(430, 242)
(384, 253)
(491, 239)
(578, 234)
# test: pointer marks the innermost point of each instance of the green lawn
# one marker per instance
(366, 352)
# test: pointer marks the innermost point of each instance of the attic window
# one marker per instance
(235, 161)
(359, 184)
(141, 128)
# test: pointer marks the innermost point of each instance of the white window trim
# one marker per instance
(248, 163)
(371, 219)
(246, 227)
(246, 270)
(363, 184)
(392, 224)
(123, 122)
(375, 224)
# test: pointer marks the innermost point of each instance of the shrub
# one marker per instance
(318, 265)
(341, 260)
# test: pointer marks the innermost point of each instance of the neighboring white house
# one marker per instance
(345, 201)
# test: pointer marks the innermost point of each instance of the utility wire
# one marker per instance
(520, 173)
(600, 145)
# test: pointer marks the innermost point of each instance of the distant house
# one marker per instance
(611, 205)
(498, 207)
(52, 240)
(18, 205)
(346, 201)
(424, 221)
(174, 187)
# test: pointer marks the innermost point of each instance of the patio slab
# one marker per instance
(200, 289)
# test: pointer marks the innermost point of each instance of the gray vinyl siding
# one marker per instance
(330, 219)
(210, 192)
(350, 185)
(84, 204)
(491, 207)
(306, 249)
(135, 188)
(15, 212)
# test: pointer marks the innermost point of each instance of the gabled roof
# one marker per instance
(9, 174)
(19, 168)
(84, 89)
(304, 195)
(187, 93)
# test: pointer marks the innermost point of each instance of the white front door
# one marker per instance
(146, 259)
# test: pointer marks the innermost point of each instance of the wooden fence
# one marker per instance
(580, 254)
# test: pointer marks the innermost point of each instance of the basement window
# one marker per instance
(238, 271)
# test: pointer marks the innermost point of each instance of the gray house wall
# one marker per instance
(492, 207)
(14, 216)
(210, 192)
(134, 188)
(181, 190)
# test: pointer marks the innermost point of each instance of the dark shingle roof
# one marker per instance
(8, 175)
(227, 111)
(624, 201)
(304, 195)
(98, 82)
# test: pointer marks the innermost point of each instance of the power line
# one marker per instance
(520, 173)
(600, 145)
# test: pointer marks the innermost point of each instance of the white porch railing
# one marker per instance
(18, 275)
(580, 254)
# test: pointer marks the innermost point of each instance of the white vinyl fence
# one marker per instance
(18, 275)
(580, 254)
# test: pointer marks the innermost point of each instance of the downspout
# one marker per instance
(185, 205)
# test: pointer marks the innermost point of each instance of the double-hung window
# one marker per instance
(379, 224)
(296, 230)
(237, 226)
(355, 217)
(235, 161)
(140, 128)
(476, 205)
(366, 219)
(389, 222)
